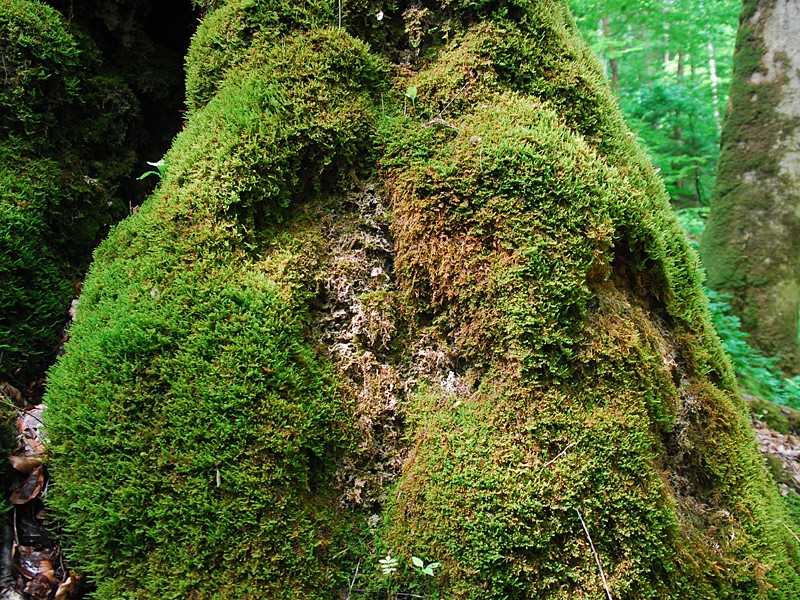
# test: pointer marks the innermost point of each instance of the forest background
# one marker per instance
(670, 64)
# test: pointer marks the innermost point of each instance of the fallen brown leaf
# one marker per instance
(30, 488)
(64, 590)
(25, 464)
(39, 587)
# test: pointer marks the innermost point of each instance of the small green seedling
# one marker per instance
(160, 165)
(388, 567)
(411, 94)
(388, 564)
(421, 567)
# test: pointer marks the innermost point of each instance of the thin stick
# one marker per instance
(790, 531)
(443, 123)
(16, 535)
(453, 100)
(559, 455)
(596, 557)
(352, 583)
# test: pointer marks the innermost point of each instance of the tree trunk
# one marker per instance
(712, 72)
(441, 310)
(751, 247)
(613, 63)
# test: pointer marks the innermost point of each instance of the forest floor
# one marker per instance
(778, 433)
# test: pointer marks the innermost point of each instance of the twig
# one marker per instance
(559, 455)
(16, 535)
(20, 412)
(63, 569)
(397, 595)
(790, 531)
(5, 83)
(353, 582)
(596, 557)
(441, 112)
(443, 123)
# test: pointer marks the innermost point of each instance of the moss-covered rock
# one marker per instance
(529, 340)
(228, 240)
(63, 127)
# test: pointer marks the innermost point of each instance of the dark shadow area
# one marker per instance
(144, 44)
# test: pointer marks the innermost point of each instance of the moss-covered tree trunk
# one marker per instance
(751, 247)
(437, 308)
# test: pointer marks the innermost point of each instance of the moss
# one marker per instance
(36, 45)
(541, 240)
(780, 418)
(222, 39)
(224, 422)
(63, 145)
(545, 341)
(36, 288)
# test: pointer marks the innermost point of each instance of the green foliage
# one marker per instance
(758, 375)
(388, 565)
(677, 128)
(161, 165)
(663, 54)
(425, 569)
(411, 94)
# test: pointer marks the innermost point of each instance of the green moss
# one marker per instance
(542, 241)
(63, 151)
(36, 288)
(780, 418)
(204, 396)
(35, 46)
(555, 339)
(224, 36)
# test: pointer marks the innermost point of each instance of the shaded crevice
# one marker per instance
(144, 45)
(642, 276)
(688, 480)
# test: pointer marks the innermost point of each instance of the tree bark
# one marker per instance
(613, 63)
(751, 247)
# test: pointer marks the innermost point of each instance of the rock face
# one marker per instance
(438, 309)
